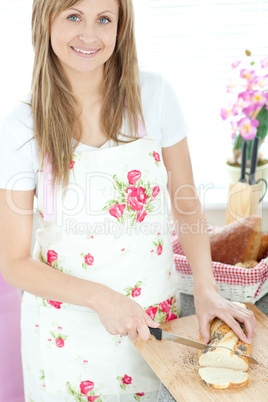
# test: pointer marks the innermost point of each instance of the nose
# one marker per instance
(87, 33)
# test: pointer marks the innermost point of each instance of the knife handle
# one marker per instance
(244, 162)
(253, 160)
(156, 332)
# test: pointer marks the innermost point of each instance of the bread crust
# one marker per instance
(263, 247)
(222, 335)
(237, 242)
(247, 264)
(225, 386)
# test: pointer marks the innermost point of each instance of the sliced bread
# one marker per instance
(223, 368)
(222, 378)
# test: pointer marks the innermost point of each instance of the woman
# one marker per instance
(102, 269)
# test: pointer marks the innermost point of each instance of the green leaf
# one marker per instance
(262, 118)
(52, 334)
(160, 317)
(84, 265)
(138, 284)
(69, 389)
(238, 141)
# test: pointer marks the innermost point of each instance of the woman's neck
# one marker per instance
(86, 87)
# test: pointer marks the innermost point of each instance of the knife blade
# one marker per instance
(159, 334)
(253, 160)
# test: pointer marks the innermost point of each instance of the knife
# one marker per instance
(253, 160)
(159, 334)
(244, 197)
(244, 162)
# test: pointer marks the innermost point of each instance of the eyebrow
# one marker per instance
(103, 12)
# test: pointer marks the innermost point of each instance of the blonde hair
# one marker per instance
(53, 104)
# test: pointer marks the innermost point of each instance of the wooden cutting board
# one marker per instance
(177, 365)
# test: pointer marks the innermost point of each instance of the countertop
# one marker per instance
(187, 308)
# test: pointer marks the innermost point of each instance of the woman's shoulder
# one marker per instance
(155, 88)
(18, 120)
(20, 111)
(151, 80)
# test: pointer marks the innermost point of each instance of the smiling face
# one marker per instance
(84, 37)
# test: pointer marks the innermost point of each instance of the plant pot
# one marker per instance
(234, 173)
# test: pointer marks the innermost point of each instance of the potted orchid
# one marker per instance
(248, 112)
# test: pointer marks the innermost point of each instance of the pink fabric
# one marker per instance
(141, 129)
(48, 189)
(11, 380)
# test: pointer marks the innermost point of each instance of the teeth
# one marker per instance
(84, 52)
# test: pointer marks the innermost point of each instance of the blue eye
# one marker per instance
(104, 20)
(73, 18)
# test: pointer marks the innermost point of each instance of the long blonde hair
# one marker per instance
(53, 104)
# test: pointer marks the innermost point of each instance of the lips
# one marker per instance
(85, 51)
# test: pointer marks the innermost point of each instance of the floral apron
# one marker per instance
(110, 226)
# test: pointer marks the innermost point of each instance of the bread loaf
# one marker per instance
(263, 247)
(247, 264)
(237, 242)
(221, 378)
(220, 360)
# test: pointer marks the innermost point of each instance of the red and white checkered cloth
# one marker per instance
(227, 274)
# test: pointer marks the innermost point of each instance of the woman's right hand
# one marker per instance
(121, 315)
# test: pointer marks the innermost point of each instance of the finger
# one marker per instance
(248, 319)
(149, 322)
(233, 324)
(204, 330)
(132, 334)
(250, 326)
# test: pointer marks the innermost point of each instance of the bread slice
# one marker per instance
(222, 335)
(237, 242)
(222, 378)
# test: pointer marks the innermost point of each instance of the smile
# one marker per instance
(86, 52)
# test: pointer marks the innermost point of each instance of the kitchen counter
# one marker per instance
(187, 308)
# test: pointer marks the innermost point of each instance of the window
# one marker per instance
(191, 42)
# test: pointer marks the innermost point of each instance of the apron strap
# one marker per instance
(141, 129)
(48, 192)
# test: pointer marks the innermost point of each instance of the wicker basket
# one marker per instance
(236, 284)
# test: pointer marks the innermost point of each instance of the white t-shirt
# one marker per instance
(18, 167)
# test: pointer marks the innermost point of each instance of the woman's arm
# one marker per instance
(118, 313)
(191, 227)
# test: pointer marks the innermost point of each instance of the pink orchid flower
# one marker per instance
(241, 104)
(258, 98)
(231, 86)
(248, 75)
(248, 128)
(261, 81)
(236, 64)
(264, 62)
(234, 128)
(226, 112)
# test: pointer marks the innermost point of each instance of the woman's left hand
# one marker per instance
(209, 304)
